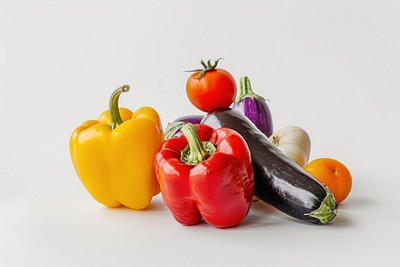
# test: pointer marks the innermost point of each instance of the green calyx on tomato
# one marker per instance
(206, 67)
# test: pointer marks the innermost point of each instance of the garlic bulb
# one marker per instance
(294, 142)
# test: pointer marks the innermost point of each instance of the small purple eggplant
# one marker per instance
(254, 107)
(174, 128)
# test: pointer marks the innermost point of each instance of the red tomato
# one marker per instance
(216, 89)
(333, 174)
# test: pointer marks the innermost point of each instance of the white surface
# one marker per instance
(331, 67)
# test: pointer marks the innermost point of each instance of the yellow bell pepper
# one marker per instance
(114, 155)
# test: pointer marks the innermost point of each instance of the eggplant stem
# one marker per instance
(328, 209)
(247, 91)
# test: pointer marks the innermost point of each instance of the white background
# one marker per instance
(331, 67)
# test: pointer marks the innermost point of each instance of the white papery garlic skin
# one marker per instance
(294, 142)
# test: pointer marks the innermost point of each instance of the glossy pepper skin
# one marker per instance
(114, 155)
(210, 180)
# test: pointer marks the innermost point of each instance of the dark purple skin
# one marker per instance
(193, 119)
(173, 128)
(254, 107)
(278, 181)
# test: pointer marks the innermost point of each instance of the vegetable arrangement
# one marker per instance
(210, 166)
(277, 180)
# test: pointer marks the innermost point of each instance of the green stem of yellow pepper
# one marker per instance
(115, 116)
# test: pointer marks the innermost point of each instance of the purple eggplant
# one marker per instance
(254, 107)
(174, 128)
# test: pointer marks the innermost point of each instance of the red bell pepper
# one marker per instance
(206, 174)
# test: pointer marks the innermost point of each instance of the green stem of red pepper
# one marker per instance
(115, 116)
(196, 151)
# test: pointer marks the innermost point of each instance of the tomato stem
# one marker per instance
(206, 67)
